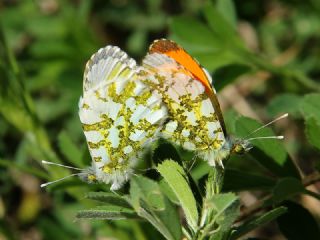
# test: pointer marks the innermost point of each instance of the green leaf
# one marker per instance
(165, 188)
(235, 180)
(283, 103)
(105, 214)
(171, 219)
(228, 11)
(271, 147)
(257, 222)
(166, 221)
(203, 44)
(72, 153)
(184, 29)
(313, 131)
(222, 28)
(228, 74)
(147, 190)
(175, 176)
(310, 106)
(230, 118)
(298, 223)
(226, 210)
(149, 203)
(109, 198)
(287, 188)
(268, 152)
(50, 110)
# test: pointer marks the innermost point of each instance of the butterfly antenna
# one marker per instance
(266, 125)
(60, 165)
(61, 179)
(267, 137)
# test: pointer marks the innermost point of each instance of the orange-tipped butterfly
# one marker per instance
(125, 107)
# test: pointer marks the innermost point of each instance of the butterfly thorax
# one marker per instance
(230, 146)
(238, 145)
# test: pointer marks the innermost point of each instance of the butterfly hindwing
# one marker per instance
(119, 114)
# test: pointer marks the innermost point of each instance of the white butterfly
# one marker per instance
(125, 107)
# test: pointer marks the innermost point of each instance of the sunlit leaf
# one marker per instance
(310, 106)
(222, 28)
(228, 11)
(175, 176)
(313, 131)
(148, 190)
(149, 203)
(285, 103)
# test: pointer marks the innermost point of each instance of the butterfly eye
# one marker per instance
(238, 149)
(241, 147)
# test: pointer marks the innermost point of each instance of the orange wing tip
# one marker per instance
(163, 46)
(176, 52)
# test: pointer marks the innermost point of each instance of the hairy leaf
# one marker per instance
(257, 222)
(175, 176)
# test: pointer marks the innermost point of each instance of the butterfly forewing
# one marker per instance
(192, 121)
(119, 114)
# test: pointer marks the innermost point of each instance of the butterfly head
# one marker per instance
(88, 175)
(240, 146)
(243, 145)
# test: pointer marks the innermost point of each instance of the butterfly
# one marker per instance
(125, 107)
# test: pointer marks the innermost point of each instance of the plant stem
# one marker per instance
(213, 187)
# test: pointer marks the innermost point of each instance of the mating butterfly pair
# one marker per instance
(125, 107)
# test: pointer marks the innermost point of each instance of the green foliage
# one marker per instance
(313, 132)
(310, 106)
(286, 102)
(114, 214)
(108, 198)
(268, 152)
(226, 209)
(258, 221)
(150, 204)
(267, 54)
(236, 180)
(175, 176)
(69, 149)
(286, 188)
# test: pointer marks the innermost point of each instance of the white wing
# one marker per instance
(193, 122)
(119, 114)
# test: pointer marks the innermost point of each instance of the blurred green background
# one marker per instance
(264, 56)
